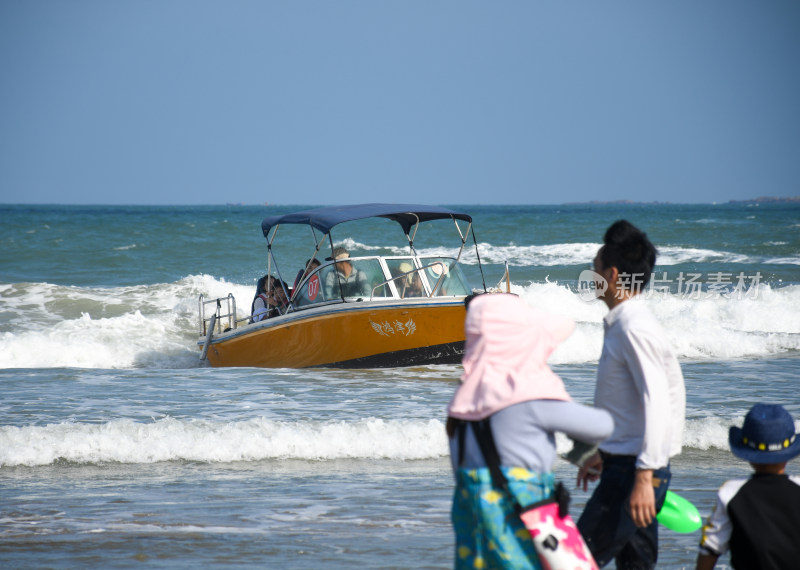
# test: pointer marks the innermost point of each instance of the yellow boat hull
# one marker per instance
(348, 335)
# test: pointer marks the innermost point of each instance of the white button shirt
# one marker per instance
(639, 382)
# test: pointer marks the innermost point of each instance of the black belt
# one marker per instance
(606, 455)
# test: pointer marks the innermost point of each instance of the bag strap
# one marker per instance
(461, 430)
(483, 433)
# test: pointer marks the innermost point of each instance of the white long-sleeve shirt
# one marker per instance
(639, 381)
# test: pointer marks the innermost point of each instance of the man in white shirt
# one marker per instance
(639, 382)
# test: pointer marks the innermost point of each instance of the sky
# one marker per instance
(439, 101)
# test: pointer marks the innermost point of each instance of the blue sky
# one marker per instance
(437, 101)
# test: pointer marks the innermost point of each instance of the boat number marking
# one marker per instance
(313, 287)
(387, 329)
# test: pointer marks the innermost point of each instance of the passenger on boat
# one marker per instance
(310, 266)
(435, 278)
(354, 283)
(309, 292)
(270, 299)
(410, 285)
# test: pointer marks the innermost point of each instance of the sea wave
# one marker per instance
(156, 326)
(709, 327)
(565, 254)
(170, 439)
(49, 326)
(258, 439)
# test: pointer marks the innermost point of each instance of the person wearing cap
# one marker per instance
(507, 380)
(758, 519)
(353, 283)
(639, 381)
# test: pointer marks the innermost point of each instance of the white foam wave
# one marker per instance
(677, 255)
(516, 255)
(359, 248)
(583, 253)
(50, 326)
(46, 325)
(711, 432)
(713, 327)
(559, 254)
(791, 260)
(353, 246)
(708, 433)
(170, 439)
(539, 255)
(258, 439)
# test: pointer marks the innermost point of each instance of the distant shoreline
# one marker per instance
(767, 200)
(759, 200)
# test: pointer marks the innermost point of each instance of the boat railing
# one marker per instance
(221, 318)
(506, 278)
(418, 270)
(394, 280)
(442, 274)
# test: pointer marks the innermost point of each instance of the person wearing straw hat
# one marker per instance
(758, 519)
(507, 380)
(410, 285)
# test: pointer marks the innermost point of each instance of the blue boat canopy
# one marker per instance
(324, 219)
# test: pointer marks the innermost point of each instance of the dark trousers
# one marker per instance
(606, 524)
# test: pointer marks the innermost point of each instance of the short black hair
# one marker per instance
(627, 248)
(469, 298)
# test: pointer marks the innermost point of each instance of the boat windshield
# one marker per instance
(382, 277)
(445, 277)
(406, 277)
(349, 279)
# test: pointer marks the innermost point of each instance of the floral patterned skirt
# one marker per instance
(489, 534)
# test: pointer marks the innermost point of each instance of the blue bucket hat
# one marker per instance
(767, 436)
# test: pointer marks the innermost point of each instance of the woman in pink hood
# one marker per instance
(508, 389)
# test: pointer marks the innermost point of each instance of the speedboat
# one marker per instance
(396, 308)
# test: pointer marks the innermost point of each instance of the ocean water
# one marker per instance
(120, 449)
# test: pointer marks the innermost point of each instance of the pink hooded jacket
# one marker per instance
(505, 363)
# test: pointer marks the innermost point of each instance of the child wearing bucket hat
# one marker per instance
(758, 519)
